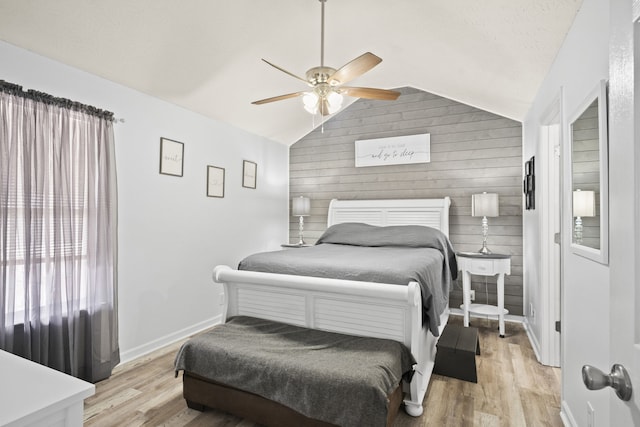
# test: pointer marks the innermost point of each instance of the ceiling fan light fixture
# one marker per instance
(334, 101)
(311, 102)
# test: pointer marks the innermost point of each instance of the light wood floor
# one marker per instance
(513, 389)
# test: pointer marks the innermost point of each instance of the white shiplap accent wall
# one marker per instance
(471, 151)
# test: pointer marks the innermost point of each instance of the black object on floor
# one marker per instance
(456, 355)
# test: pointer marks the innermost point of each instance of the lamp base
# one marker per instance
(485, 230)
(485, 250)
(301, 231)
(577, 231)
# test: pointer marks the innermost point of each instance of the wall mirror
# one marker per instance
(589, 177)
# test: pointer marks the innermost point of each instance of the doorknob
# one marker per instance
(618, 379)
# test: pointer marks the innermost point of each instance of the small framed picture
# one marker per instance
(249, 173)
(215, 181)
(171, 157)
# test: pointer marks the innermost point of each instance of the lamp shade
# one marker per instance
(584, 203)
(300, 206)
(334, 102)
(310, 102)
(485, 204)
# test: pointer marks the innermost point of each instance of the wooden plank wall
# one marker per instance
(471, 151)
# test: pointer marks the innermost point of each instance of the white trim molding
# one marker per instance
(171, 338)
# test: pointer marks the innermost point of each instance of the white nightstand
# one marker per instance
(294, 245)
(483, 265)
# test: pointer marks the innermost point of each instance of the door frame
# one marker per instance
(550, 223)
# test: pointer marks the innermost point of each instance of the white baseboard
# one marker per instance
(533, 340)
(158, 343)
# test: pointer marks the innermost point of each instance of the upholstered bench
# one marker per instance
(283, 375)
(456, 354)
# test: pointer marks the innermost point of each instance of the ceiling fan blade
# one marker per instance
(370, 93)
(355, 68)
(278, 98)
(287, 72)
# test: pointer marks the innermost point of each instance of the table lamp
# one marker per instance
(300, 207)
(484, 205)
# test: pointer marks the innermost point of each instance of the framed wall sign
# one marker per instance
(215, 181)
(397, 150)
(171, 157)
(249, 173)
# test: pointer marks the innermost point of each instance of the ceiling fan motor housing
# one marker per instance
(318, 75)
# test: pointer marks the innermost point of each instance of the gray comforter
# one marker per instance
(340, 379)
(355, 251)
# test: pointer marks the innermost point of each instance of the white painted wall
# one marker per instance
(170, 234)
(580, 65)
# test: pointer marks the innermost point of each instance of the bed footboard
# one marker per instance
(351, 307)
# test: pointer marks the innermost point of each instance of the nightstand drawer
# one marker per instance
(482, 266)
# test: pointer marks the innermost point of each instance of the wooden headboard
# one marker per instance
(430, 212)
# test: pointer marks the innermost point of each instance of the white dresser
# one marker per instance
(35, 395)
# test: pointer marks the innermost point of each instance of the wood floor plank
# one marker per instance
(482, 419)
(109, 403)
(513, 389)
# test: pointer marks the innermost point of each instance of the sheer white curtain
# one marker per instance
(58, 293)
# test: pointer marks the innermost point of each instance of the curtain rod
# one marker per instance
(14, 89)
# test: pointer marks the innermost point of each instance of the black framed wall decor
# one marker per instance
(529, 184)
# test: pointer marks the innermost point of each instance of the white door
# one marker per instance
(624, 178)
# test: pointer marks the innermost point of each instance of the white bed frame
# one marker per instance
(357, 308)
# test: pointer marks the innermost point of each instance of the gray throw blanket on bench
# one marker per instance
(340, 379)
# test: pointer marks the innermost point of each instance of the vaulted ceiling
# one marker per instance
(205, 55)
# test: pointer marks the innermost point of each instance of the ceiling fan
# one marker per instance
(327, 83)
